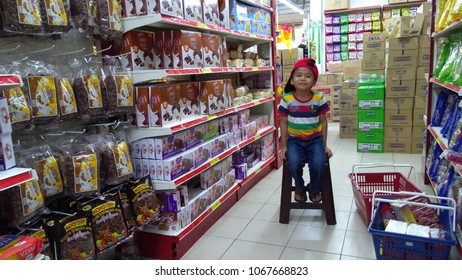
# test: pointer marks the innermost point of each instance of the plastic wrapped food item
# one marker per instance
(55, 16)
(143, 201)
(21, 16)
(109, 19)
(85, 15)
(117, 162)
(19, 247)
(21, 203)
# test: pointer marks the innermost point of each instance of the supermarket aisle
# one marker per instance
(251, 228)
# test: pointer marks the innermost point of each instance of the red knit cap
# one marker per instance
(304, 62)
(308, 63)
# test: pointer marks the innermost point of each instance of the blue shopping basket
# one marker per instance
(395, 246)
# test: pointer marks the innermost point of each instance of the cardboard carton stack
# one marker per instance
(348, 109)
(371, 94)
(288, 59)
(407, 62)
(330, 85)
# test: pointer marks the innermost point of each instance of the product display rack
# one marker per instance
(433, 85)
(160, 244)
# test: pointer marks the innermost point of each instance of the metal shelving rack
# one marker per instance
(433, 85)
(173, 245)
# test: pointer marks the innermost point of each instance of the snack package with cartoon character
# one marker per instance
(18, 98)
(116, 159)
(80, 167)
(107, 221)
(64, 79)
(73, 236)
(56, 17)
(109, 19)
(42, 91)
(88, 89)
(21, 203)
(21, 16)
(41, 159)
(143, 201)
(85, 15)
(120, 92)
(127, 210)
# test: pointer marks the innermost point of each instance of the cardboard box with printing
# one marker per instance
(398, 131)
(421, 88)
(404, 26)
(400, 82)
(211, 48)
(402, 58)
(397, 145)
(418, 131)
(419, 114)
(374, 51)
(187, 49)
(164, 103)
(335, 67)
(420, 102)
(348, 126)
(423, 57)
(351, 69)
(335, 4)
(399, 103)
(348, 102)
(410, 43)
(139, 45)
(193, 11)
(398, 117)
(417, 145)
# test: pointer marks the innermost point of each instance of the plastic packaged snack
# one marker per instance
(37, 230)
(84, 15)
(143, 200)
(443, 57)
(109, 19)
(88, 91)
(116, 158)
(447, 71)
(20, 247)
(21, 203)
(439, 108)
(55, 16)
(107, 222)
(21, 16)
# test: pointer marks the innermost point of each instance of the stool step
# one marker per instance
(327, 203)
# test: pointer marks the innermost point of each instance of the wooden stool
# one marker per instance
(327, 203)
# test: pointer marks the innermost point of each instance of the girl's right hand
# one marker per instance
(282, 153)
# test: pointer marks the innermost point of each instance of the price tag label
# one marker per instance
(201, 25)
(258, 136)
(215, 205)
(213, 116)
(206, 70)
(254, 68)
(258, 170)
(214, 161)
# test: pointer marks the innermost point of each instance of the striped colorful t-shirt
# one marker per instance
(303, 116)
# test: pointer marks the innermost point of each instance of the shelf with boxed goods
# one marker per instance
(344, 30)
(443, 100)
(10, 81)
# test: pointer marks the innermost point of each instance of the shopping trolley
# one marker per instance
(397, 246)
(364, 184)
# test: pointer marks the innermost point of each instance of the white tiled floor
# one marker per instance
(250, 230)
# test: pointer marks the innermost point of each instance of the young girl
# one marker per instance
(304, 129)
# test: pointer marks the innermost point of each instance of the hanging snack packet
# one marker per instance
(143, 201)
(21, 16)
(73, 236)
(116, 157)
(126, 208)
(447, 72)
(85, 15)
(55, 16)
(110, 19)
(107, 222)
(66, 97)
(89, 92)
(120, 91)
(443, 57)
(21, 203)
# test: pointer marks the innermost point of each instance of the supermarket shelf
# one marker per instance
(186, 230)
(446, 85)
(443, 142)
(10, 81)
(256, 4)
(456, 26)
(140, 133)
(169, 185)
(339, 11)
(142, 76)
(14, 176)
(161, 21)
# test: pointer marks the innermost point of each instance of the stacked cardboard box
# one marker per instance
(330, 85)
(371, 94)
(348, 109)
(288, 59)
(405, 102)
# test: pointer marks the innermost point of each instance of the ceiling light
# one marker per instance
(291, 5)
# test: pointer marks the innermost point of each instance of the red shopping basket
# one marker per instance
(396, 246)
(364, 185)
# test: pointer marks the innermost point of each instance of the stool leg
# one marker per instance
(286, 196)
(328, 197)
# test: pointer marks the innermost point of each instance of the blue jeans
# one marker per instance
(309, 151)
